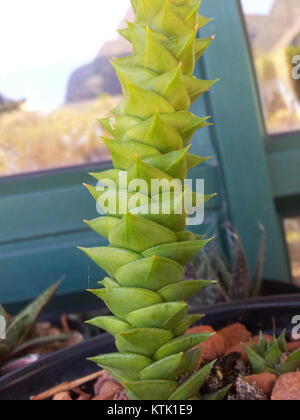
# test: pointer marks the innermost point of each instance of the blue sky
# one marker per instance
(45, 40)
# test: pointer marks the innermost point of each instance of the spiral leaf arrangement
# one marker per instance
(146, 259)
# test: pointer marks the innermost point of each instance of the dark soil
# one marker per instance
(225, 372)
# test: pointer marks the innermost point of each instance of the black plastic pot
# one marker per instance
(70, 364)
(278, 288)
(73, 323)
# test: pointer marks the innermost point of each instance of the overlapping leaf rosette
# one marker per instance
(148, 251)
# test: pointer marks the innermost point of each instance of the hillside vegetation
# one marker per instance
(70, 135)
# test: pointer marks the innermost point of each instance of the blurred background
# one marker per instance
(56, 80)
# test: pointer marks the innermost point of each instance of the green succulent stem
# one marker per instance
(150, 134)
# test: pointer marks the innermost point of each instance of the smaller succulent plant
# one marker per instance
(272, 357)
(18, 328)
(231, 279)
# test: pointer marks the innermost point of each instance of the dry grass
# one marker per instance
(69, 136)
(292, 229)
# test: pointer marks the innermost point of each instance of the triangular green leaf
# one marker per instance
(182, 290)
(144, 341)
(218, 395)
(170, 368)
(150, 273)
(291, 365)
(127, 363)
(110, 259)
(164, 315)
(156, 390)
(111, 324)
(181, 252)
(191, 387)
(121, 301)
(181, 344)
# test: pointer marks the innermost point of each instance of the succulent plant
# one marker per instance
(148, 251)
(272, 357)
(18, 328)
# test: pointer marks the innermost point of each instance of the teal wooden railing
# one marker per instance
(257, 178)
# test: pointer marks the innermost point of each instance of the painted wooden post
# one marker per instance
(239, 134)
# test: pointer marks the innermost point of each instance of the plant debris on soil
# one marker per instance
(245, 392)
(232, 367)
(225, 372)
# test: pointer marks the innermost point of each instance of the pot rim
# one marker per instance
(105, 340)
(256, 303)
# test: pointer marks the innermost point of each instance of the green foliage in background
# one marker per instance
(146, 259)
(31, 141)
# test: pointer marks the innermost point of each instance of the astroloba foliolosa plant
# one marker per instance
(148, 251)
